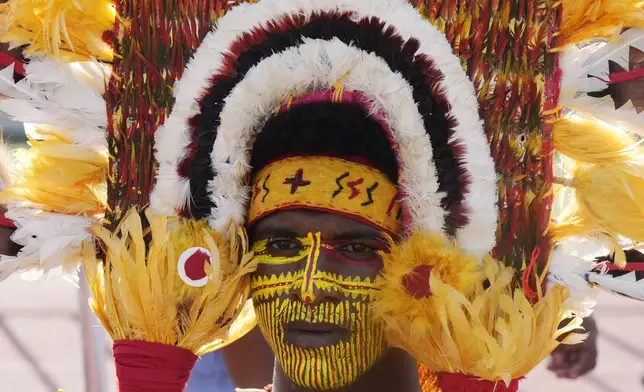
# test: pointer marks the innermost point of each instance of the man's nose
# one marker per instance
(310, 292)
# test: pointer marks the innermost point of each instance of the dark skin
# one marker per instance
(7, 247)
(575, 361)
(396, 370)
(249, 361)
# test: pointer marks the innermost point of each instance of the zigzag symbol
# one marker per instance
(265, 188)
(369, 194)
(256, 190)
(340, 187)
(354, 190)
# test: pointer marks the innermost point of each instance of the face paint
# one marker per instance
(324, 367)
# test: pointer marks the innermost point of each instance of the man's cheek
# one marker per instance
(265, 285)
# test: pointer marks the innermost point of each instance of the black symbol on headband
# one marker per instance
(370, 191)
(340, 187)
(297, 181)
(265, 188)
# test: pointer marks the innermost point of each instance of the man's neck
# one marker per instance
(396, 371)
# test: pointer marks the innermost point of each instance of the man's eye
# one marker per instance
(357, 248)
(284, 244)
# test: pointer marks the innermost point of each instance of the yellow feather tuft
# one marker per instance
(58, 176)
(609, 202)
(425, 248)
(138, 293)
(484, 326)
(71, 30)
(587, 19)
(588, 140)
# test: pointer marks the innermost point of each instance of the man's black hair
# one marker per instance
(326, 128)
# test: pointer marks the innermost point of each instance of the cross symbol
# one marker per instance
(296, 181)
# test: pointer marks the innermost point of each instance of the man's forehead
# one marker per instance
(300, 222)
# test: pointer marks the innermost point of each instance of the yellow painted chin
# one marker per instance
(325, 368)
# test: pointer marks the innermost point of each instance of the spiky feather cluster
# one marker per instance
(138, 293)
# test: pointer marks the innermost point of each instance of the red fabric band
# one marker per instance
(151, 367)
(6, 222)
(456, 382)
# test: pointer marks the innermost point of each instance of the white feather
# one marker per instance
(48, 240)
(626, 287)
(315, 65)
(8, 266)
(418, 173)
(573, 266)
(584, 67)
(64, 96)
(571, 271)
(5, 165)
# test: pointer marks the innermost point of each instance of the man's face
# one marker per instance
(312, 292)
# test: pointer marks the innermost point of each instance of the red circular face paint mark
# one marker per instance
(308, 299)
(192, 266)
(417, 281)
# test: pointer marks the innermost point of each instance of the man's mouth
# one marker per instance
(314, 335)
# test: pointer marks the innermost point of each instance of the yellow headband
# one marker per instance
(327, 184)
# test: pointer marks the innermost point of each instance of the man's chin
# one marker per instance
(316, 370)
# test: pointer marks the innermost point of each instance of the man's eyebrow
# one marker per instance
(270, 231)
(355, 234)
(263, 231)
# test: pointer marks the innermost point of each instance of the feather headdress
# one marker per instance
(478, 99)
(58, 184)
(76, 177)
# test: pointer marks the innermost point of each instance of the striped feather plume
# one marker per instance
(58, 183)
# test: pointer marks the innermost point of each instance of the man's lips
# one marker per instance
(314, 335)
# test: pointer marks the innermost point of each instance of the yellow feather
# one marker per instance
(609, 202)
(58, 176)
(71, 30)
(425, 248)
(587, 19)
(138, 293)
(478, 324)
(588, 140)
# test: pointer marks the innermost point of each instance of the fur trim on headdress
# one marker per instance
(468, 202)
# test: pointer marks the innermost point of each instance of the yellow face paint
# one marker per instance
(263, 257)
(266, 288)
(306, 291)
(324, 368)
(321, 368)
